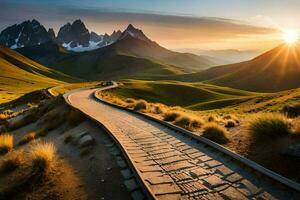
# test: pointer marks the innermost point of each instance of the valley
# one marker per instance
(78, 108)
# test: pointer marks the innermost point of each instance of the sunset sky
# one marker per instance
(210, 24)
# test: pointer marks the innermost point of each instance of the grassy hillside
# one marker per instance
(127, 58)
(275, 70)
(206, 97)
(194, 96)
(20, 75)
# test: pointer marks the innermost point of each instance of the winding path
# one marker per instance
(172, 166)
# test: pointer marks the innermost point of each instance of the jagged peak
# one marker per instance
(135, 33)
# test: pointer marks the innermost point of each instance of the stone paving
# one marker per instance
(172, 165)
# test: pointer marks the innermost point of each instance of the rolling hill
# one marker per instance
(275, 70)
(133, 55)
(193, 96)
(20, 75)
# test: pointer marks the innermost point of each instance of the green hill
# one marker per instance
(20, 75)
(194, 96)
(275, 70)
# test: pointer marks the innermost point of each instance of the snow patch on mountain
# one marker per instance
(92, 46)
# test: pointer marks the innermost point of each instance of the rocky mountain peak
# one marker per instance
(73, 35)
(135, 33)
(28, 33)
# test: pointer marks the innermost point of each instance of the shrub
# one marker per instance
(140, 105)
(269, 125)
(6, 143)
(43, 156)
(10, 164)
(188, 122)
(158, 109)
(29, 117)
(27, 138)
(230, 124)
(216, 133)
(171, 116)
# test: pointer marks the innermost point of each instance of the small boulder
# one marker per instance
(293, 151)
(85, 141)
(77, 136)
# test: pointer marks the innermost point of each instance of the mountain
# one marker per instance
(75, 34)
(76, 37)
(134, 42)
(132, 55)
(20, 75)
(275, 70)
(28, 33)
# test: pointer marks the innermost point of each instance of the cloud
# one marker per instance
(170, 30)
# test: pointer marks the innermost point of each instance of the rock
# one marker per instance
(86, 140)
(77, 136)
(293, 150)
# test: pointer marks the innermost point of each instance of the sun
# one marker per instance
(290, 37)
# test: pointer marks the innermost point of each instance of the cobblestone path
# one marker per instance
(174, 166)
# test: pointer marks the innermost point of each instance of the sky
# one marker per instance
(175, 24)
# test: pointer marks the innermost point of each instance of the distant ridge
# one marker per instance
(275, 70)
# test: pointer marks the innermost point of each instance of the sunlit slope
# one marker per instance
(189, 95)
(275, 70)
(31, 66)
(20, 75)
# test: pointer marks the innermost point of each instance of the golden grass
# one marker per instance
(140, 105)
(6, 143)
(171, 116)
(189, 122)
(43, 155)
(269, 124)
(215, 132)
(11, 163)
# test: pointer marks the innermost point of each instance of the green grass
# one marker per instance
(194, 96)
(269, 125)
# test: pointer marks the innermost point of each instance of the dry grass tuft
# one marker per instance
(28, 138)
(269, 125)
(216, 133)
(171, 116)
(11, 163)
(189, 122)
(140, 105)
(43, 155)
(6, 143)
